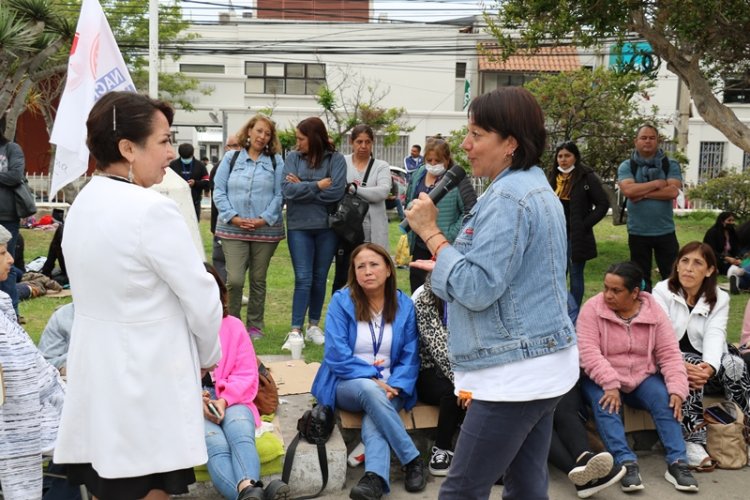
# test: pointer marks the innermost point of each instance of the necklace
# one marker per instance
(630, 318)
(116, 177)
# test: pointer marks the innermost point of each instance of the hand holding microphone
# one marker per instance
(450, 180)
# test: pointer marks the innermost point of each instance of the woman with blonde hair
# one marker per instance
(247, 194)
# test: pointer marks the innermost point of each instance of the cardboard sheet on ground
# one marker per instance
(293, 376)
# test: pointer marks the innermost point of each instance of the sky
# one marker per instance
(396, 10)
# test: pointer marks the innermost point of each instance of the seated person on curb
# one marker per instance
(435, 381)
(722, 238)
(630, 355)
(55, 338)
(370, 365)
(699, 311)
(233, 462)
(569, 450)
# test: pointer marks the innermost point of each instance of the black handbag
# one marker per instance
(315, 426)
(349, 216)
(25, 203)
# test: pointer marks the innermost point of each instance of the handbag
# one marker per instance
(727, 436)
(267, 399)
(348, 218)
(316, 426)
(25, 202)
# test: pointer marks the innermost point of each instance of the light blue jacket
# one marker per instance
(504, 276)
(339, 362)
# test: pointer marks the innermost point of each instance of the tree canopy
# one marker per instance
(704, 42)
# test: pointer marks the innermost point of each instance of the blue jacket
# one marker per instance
(339, 362)
(504, 276)
(307, 207)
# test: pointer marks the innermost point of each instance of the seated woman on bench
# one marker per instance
(630, 355)
(699, 311)
(370, 365)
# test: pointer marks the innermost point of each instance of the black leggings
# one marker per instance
(569, 437)
(433, 388)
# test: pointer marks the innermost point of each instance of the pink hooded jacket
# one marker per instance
(745, 338)
(615, 358)
(236, 374)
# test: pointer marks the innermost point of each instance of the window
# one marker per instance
(284, 78)
(202, 68)
(493, 80)
(736, 91)
(711, 160)
(746, 162)
(460, 70)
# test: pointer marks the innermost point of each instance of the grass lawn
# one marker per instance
(611, 240)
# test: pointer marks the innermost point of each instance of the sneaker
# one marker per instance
(370, 487)
(245, 300)
(357, 456)
(254, 332)
(696, 454)
(293, 334)
(734, 286)
(440, 461)
(276, 490)
(416, 476)
(252, 492)
(631, 480)
(315, 335)
(589, 467)
(598, 484)
(678, 473)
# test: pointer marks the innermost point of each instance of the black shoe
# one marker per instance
(596, 485)
(276, 490)
(734, 289)
(631, 481)
(589, 467)
(416, 475)
(252, 492)
(370, 487)
(678, 473)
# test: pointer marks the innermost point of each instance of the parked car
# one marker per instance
(398, 187)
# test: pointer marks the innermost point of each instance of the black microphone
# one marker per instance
(450, 180)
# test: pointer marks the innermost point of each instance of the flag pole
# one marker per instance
(153, 49)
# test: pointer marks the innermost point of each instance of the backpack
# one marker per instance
(619, 212)
(316, 426)
(237, 153)
(267, 398)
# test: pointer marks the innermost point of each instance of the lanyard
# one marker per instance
(376, 343)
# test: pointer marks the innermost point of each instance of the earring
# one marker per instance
(130, 172)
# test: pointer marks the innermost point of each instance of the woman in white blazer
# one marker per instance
(147, 315)
(699, 310)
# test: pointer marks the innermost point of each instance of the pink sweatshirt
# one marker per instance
(236, 374)
(617, 359)
(745, 337)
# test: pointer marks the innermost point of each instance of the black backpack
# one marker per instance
(316, 426)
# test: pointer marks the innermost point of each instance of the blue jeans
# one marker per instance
(575, 270)
(232, 456)
(509, 439)
(651, 395)
(9, 285)
(312, 252)
(381, 425)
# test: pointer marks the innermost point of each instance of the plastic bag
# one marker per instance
(403, 257)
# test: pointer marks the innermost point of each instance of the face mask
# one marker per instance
(436, 169)
(186, 161)
(566, 170)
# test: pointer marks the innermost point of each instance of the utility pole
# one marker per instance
(153, 49)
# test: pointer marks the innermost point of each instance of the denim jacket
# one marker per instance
(504, 276)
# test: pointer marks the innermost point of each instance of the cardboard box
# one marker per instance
(293, 376)
(420, 417)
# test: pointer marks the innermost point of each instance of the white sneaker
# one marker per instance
(735, 271)
(357, 456)
(315, 335)
(286, 346)
(245, 300)
(696, 454)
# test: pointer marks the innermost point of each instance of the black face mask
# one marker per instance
(729, 226)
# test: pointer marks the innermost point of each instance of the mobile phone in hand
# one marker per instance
(213, 410)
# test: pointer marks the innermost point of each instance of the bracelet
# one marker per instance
(428, 239)
(445, 242)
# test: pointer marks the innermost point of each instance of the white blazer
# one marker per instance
(147, 318)
(707, 330)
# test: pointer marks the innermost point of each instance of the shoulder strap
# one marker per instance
(273, 162)
(289, 460)
(633, 167)
(367, 172)
(233, 160)
(665, 166)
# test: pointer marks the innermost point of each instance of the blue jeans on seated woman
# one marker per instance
(232, 456)
(312, 253)
(381, 425)
(651, 396)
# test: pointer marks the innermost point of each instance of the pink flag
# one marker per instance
(95, 67)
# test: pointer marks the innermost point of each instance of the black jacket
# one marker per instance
(198, 173)
(588, 205)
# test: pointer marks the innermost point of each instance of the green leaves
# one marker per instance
(730, 192)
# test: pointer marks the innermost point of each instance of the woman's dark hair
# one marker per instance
(223, 293)
(723, 216)
(243, 136)
(568, 146)
(317, 137)
(362, 310)
(121, 115)
(708, 287)
(630, 272)
(513, 111)
(441, 148)
(362, 129)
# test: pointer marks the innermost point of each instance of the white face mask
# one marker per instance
(436, 169)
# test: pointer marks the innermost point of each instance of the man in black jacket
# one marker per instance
(194, 172)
